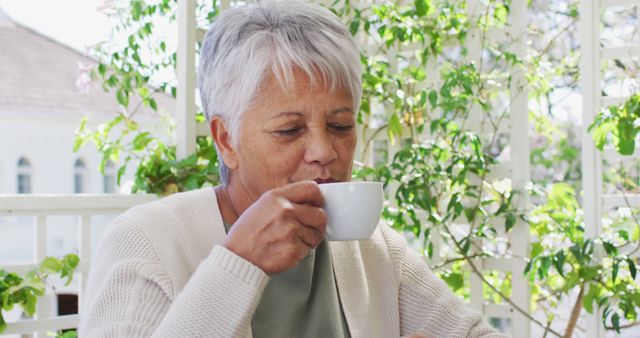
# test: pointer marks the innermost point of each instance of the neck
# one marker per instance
(232, 202)
(227, 211)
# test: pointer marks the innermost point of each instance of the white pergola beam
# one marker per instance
(520, 166)
(611, 3)
(186, 79)
(591, 159)
(619, 52)
(474, 46)
(607, 101)
(619, 200)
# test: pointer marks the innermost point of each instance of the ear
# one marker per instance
(222, 138)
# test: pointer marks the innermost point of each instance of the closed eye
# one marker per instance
(288, 132)
(341, 128)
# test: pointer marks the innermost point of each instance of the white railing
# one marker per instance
(41, 206)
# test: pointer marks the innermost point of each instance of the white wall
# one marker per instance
(48, 145)
(47, 142)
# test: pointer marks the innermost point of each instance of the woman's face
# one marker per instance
(307, 133)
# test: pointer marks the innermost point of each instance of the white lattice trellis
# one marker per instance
(593, 54)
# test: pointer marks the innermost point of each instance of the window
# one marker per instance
(109, 178)
(24, 176)
(79, 175)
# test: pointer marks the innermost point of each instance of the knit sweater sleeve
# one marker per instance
(131, 294)
(426, 303)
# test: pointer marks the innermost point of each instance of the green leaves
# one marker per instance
(25, 290)
(433, 98)
(67, 334)
(619, 125)
(422, 7)
(590, 297)
(632, 267)
(64, 267)
(615, 322)
(50, 265)
(123, 97)
(510, 221)
(454, 280)
(614, 270)
(558, 261)
(136, 10)
(354, 26)
(81, 135)
(69, 264)
(598, 264)
(141, 140)
(610, 248)
(626, 136)
(395, 126)
(161, 173)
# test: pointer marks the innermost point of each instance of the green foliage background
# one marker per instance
(24, 291)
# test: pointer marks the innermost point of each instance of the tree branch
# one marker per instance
(502, 295)
(575, 314)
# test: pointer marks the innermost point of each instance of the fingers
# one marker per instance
(312, 223)
(309, 236)
(279, 229)
(310, 220)
(303, 192)
(310, 216)
(307, 243)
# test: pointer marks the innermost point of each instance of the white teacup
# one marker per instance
(353, 209)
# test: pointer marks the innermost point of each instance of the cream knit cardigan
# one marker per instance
(161, 271)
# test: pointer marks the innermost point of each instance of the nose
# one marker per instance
(320, 147)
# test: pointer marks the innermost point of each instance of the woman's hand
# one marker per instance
(280, 228)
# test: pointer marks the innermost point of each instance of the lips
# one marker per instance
(324, 180)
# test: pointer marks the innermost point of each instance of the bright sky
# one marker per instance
(76, 23)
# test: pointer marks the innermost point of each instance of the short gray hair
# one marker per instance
(245, 43)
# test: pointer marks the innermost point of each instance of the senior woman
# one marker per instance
(280, 85)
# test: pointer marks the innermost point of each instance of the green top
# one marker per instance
(301, 302)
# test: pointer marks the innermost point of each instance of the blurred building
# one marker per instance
(45, 91)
